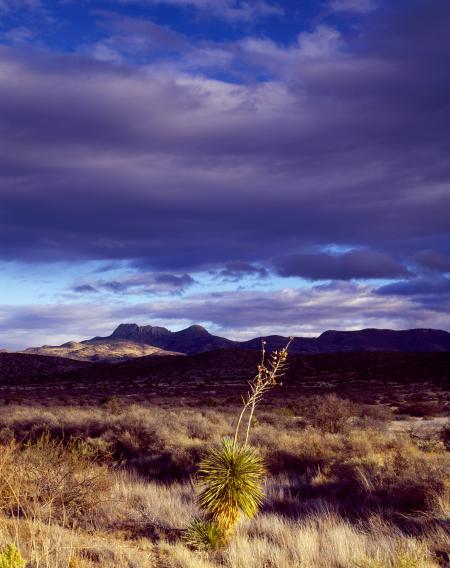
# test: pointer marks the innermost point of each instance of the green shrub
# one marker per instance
(10, 557)
(204, 534)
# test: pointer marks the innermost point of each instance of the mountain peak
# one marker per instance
(138, 332)
(195, 330)
(123, 330)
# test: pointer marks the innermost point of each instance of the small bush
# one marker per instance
(10, 557)
(445, 437)
(421, 409)
(204, 534)
(113, 404)
(330, 413)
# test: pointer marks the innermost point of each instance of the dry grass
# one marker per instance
(48, 480)
(112, 486)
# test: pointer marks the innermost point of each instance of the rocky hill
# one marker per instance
(101, 351)
(129, 341)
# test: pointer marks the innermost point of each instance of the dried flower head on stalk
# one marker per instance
(270, 371)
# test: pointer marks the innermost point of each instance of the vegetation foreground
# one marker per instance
(113, 485)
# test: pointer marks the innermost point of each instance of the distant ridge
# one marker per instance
(130, 340)
(332, 341)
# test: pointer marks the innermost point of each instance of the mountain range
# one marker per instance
(130, 341)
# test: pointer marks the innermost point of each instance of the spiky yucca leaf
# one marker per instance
(204, 534)
(231, 478)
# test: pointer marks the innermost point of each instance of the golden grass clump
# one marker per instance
(47, 479)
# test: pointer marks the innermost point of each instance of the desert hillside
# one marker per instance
(106, 351)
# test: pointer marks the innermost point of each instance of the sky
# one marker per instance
(254, 166)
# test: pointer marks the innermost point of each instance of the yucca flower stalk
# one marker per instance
(232, 476)
(270, 371)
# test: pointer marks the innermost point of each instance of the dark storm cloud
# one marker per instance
(346, 143)
(417, 287)
(356, 264)
(431, 292)
(433, 260)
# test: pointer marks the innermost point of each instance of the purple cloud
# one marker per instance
(228, 9)
(433, 260)
(357, 264)
(235, 271)
(362, 6)
(417, 287)
(141, 283)
(84, 288)
(178, 166)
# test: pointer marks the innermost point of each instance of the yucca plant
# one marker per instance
(232, 476)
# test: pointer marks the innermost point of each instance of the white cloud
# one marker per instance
(232, 10)
(361, 6)
(15, 5)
